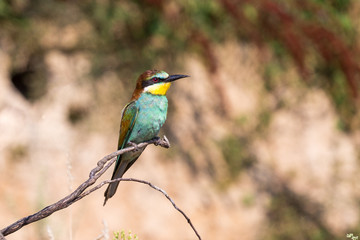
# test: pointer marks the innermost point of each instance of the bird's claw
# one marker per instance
(167, 143)
(162, 142)
(156, 139)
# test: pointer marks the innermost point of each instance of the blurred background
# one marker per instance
(265, 134)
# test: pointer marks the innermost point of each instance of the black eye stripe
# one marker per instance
(150, 81)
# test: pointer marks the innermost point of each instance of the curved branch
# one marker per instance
(77, 194)
(146, 183)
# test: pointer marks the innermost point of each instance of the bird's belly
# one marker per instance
(151, 117)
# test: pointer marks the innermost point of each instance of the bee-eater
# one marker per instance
(141, 119)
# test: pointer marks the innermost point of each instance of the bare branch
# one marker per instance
(2, 237)
(166, 195)
(95, 173)
(146, 183)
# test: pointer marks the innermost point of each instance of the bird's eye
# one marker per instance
(155, 80)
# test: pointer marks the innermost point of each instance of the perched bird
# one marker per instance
(141, 119)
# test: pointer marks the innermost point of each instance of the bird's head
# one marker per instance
(154, 82)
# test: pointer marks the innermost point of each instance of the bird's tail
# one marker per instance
(111, 189)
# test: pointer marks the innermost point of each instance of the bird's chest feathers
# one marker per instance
(151, 116)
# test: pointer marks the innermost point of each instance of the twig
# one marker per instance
(77, 194)
(83, 190)
(143, 182)
(2, 237)
(163, 192)
(105, 232)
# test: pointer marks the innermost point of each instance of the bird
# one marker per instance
(141, 119)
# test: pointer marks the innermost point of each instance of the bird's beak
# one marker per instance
(172, 78)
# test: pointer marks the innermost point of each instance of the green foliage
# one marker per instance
(288, 221)
(129, 36)
(237, 154)
(250, 12)
(248, 200)
(123, 236)
(336, 5)
(18, 153)
(264, 120)
(337, 87)
(4, 9)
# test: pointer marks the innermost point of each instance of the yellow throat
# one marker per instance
(158, 89)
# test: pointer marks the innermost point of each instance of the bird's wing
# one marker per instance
(128, 119)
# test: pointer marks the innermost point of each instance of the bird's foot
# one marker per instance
(157, 140)
(136, 148)
(162, 142)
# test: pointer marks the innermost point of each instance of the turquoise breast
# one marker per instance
(151, 117)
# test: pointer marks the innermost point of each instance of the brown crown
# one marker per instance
(139, 89)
